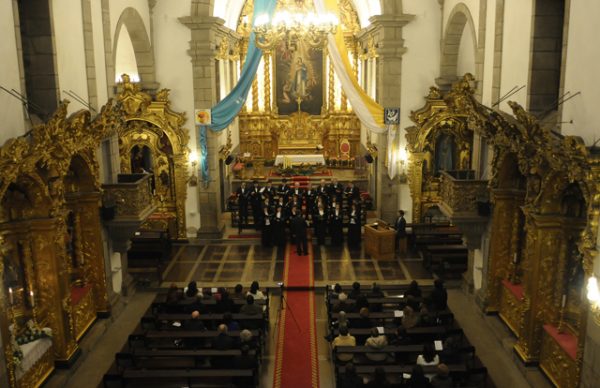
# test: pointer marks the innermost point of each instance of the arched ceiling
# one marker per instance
(229, 10)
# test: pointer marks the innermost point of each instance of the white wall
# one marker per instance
(70, 54)
(99, 53)
(516, 47)
(141, 6)
(11, 110)
(466, 53)
(420, 67)
(125, 62)
(174, 71)
(581, 72)
(472, 5)
(488, 66)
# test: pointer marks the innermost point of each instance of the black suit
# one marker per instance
(222, 342)
(354, 228)
(267, 227)
(335, 227)
(352, 194)
(320, 224)
(243, 194)
(255, 201)
(298, 226)
(279, 229)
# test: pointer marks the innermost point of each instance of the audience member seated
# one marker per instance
(376, 292)
(442, 378)
(438, 299)
(417, 378)
(343, 304)
(247, 339)
(222, 341)
(192, 291)
(172, 300)
(238, 292)
(337, 290)
(194, 324)
(428, 358)
(362, 302)
(341, 321)
(250, 308)
(410, 319)
(413, 290)
(350, 379)
(451, 352)
(364, 321)
(230, 323)
(344, 339)
(413, 303)
(379, 379)
(377, 342)
(355, 291)
(244, 361)
(255, 292)
(225, 303)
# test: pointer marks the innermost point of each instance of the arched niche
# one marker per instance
(459, 31)
(153, 141)
(138, 39)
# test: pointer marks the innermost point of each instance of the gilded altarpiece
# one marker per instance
(297, 105)
(153, 141)
(440, 140)
(37, 196)
(550, 256)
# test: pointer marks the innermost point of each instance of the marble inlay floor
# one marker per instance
(234, 262)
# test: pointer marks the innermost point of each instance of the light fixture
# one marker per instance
(311, 28)
(403, 164)
(593, 296)
(193, 158)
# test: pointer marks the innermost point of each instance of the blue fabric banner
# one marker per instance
(228, 108)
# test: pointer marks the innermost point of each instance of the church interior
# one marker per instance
(299, 193)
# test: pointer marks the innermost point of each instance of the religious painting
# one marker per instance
(298, 78)
(445, 150)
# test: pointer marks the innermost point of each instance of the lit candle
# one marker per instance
(32, 298)
(11, 298)
(564, 301)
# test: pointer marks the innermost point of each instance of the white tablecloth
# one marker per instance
(297, 159)
(32, 352)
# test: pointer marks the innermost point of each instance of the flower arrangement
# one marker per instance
(32, 333)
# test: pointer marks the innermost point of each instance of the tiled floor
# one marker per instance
(227, 263)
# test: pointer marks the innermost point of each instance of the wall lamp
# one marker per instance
(593, 296)
(193, 158)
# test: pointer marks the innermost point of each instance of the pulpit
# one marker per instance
(380, 240)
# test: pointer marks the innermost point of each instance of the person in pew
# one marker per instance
(417, 378)
(247, 339)
(343, 304)
(364, 322)
(350, 379)
(362, 301)
(231, 324)
(413, 290)
(401, 338)
(192, 291)
(194, 324)
(413, 303)
(222, 341)
(355, 291)
(224, 303)
(244, 361)
(238, 292)
(375, 292)
(376, 342)
(379, 379)
(442, 378)
(250, 308)
(344, 339)
(341, 321)
(428, 358)
(438, 299)
(172, 300)
(410, 319)
(337, 290)
(255, 292)
(451, 351)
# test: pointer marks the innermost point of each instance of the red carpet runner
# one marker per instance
(296, 363)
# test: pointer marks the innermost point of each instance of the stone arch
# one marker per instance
(459, 19)
(142, 46)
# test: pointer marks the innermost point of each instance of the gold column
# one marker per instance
(267, 81)
(331, 96)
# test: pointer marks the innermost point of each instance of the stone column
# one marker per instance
(387, 32)
(206, 31)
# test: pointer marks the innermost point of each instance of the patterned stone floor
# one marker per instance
(228, 263)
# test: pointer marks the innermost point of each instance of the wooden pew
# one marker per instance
(190, 377)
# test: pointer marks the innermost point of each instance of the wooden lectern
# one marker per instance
(380, 240)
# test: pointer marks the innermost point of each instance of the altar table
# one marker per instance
(298, 159)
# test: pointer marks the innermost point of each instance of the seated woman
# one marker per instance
(410, 319)
(413, 290)
(255, 292)
(376, 342)
(428, 358)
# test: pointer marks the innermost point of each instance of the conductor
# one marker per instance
(298, 226)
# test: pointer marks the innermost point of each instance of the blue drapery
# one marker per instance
(228, 108)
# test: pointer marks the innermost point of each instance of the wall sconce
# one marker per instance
(193, 158)
(403, 164)
(593, 296)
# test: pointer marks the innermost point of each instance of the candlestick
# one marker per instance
(11, 297)
(32, 298)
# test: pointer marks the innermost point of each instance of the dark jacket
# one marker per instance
(222, 342)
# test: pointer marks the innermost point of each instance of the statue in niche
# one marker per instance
(444, 153)
(141, 160)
